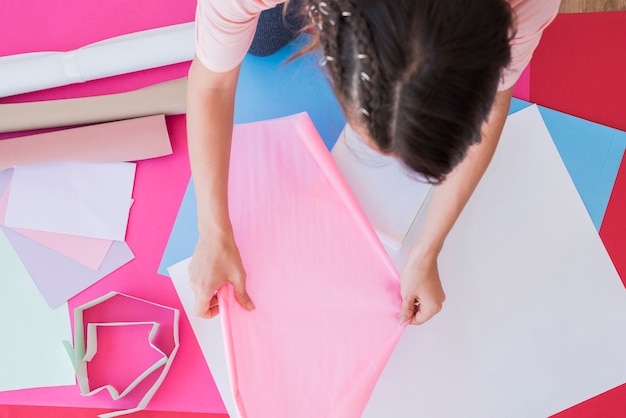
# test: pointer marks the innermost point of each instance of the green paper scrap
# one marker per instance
(84, 351)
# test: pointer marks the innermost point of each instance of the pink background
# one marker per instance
(61, 25)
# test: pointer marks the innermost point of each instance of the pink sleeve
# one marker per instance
(225, 29)
(531, 18)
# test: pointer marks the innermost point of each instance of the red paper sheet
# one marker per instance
(579, 67)
(613, 229)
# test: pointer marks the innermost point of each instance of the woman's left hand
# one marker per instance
(421, 290)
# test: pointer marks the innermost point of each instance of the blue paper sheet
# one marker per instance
(592, 154)
(270, 88)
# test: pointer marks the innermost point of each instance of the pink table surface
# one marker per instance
(160, 183)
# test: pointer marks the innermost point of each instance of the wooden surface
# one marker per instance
(578, 6)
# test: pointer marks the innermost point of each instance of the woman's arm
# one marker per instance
(216, 260)
(420, 276)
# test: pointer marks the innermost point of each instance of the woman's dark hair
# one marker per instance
(419, 75)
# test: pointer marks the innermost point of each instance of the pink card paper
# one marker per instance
(127, 140)
(327, 296)
(88, 251)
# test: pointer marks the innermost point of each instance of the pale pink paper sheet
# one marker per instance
(327, 296)
(86, 250)
(127, 140)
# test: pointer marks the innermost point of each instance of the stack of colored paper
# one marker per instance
(67, 223)
(65, 202)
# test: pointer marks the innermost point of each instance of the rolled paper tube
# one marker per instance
(166, 98)
(120, 55)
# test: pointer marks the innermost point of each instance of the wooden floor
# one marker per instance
(578, 6)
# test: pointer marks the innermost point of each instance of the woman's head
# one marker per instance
(419, 76)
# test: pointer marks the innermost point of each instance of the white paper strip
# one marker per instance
(390, 197)
(208, 332)
(120, 55)
(535, 317)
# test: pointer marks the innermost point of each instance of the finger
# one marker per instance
(424, 313)
(204, 302)
(407, 310)
(214, 307)
(241, 295)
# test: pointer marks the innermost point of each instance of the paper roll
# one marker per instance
(166, 98)
(120, 55)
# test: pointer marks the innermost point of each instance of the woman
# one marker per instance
(428, 81)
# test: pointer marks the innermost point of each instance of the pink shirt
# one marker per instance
(225, 28)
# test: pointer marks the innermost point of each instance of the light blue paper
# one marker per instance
(592, 154)
(269, 88)
(184, 233)
(517, 105)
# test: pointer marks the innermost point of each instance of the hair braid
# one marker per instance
(352, 63)
(367, 77)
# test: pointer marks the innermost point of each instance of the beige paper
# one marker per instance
(164, 98)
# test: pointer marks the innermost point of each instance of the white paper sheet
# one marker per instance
(32, 353)
(120, 55)
(390, 197)
(208, 333)
(535, 316)
(82, 199)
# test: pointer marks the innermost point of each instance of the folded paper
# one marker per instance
(128, 140)
(533, 301)
(390, 196)
(166, 98)
(301, 232)
(132, 315)
(123, 54)
(31, 353)
(85, 199)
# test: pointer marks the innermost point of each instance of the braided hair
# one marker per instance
(419, 75)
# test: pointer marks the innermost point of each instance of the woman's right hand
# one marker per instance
(216, 262)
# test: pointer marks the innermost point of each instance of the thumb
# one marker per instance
(407, 310)
(242, 295)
